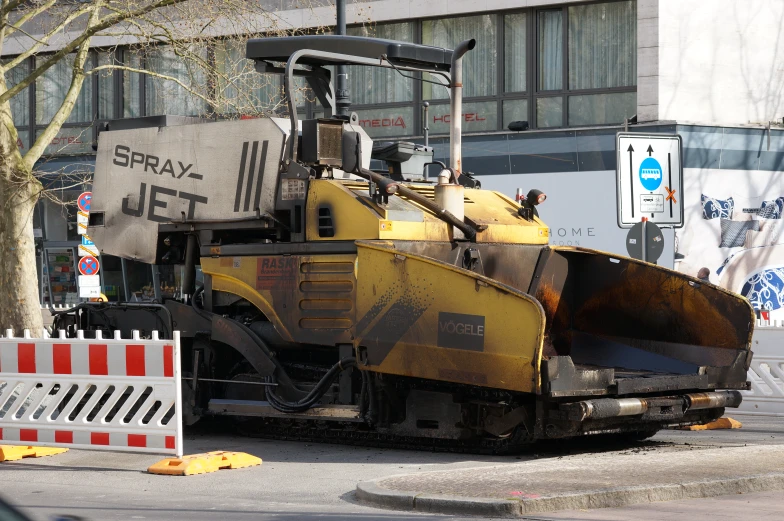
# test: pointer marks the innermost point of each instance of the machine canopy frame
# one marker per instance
(339, 50)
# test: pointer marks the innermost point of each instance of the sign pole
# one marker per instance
(644, 239)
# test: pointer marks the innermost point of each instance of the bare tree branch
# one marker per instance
(151, 74)
(48, 36)
(76, 42)
(8, 7)
(68, 103)
(3, 26)
(29, 15)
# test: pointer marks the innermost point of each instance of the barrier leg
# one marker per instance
(204, 463)
(17, 452)
(721, 423)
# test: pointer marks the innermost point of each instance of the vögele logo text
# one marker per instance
(461, 331)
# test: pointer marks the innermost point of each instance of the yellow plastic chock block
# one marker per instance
(204, 463)
(17, 452)
(721, 423)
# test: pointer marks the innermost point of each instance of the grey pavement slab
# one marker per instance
(644, 473)
(302, 481)
(761, 506)
(634, 468)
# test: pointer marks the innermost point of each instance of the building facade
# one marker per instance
(576, 72)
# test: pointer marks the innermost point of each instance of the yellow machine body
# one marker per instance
(349, 301)
(409, 308)
(481, 332)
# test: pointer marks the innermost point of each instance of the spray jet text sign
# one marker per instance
(649, 177)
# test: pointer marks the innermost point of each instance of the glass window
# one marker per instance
(111, 272)
(477, 117)
(603, 45)
(515, 110)
(303, 94)
(602, 109)
(131, 86)
(550, 50)
(479, 65)
(163, 96)
(71, 140)
(23, 140)
(393, 121)
(240, 89)
(515, 32)
(549, 112)
(105, 87)
(20, 104)
(371, 85)
(140, 281)
(52, 86)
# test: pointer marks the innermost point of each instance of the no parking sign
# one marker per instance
(83, 202)
(89, 265)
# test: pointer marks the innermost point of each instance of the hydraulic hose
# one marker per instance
(275, 401)
(168, 323)
(440, 212)
(315, 394)
(203, 314)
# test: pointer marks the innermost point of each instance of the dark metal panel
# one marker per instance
(510, 264)
(278, 248)
(486, 165)
(701, 146)
(552, 287)
(280, 49)
(561, 378)
(592, 350)
(771, 161)
(661, 383)
(228, 332)
(597, 160)
(544, 163)
(701, 157)
(619, 297)
(739, 160)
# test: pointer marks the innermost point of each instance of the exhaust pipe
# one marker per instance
(456, 106)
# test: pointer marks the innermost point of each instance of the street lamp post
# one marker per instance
(342, 102)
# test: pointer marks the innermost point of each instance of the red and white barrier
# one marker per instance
(110, 394)
(766, 374)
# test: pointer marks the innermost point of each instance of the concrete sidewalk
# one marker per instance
(585, 481)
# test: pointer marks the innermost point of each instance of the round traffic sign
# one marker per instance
(84, 201)
(654, 242)
(88, 265)
(650, 174)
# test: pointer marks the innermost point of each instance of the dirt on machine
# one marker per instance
(338, 288)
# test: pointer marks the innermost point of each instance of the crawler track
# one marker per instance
(316, 431)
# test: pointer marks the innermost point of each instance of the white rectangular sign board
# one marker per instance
(649, 179)
(89, 281)
(82, 220)
(85, 250)
(89, 291)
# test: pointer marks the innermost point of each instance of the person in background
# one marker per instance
(704, 274)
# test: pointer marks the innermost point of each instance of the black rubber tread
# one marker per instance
(315, 431)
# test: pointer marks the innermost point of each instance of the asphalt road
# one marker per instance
(316, 481)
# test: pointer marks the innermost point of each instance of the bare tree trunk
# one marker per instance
(19, 305)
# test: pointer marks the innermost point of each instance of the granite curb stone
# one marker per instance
(372, 494)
